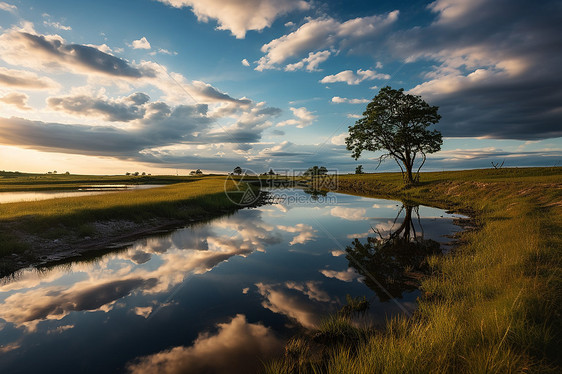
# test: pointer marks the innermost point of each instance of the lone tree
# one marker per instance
(238, 170)
(397, 123)
(315, 170)
(359, 169)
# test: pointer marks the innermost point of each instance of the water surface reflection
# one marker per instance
(210, 297)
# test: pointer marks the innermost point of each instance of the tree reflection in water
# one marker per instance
(393, 263)
(315, 194)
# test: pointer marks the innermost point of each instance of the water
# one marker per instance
(214, 297)
(15, 197)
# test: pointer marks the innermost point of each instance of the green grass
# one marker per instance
(494, 305)
(42, 182)
(54, 218)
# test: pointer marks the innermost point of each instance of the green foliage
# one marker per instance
(397, 124)
(315, 171)
(359, 169)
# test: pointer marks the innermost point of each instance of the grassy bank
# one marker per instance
(494, 305)
(29, 230)
(10, 181)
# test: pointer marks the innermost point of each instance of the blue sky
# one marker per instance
(107, 87)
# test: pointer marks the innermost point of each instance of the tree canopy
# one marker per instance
(315, 170)
(397, 123)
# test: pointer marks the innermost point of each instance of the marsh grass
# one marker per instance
(494, 304)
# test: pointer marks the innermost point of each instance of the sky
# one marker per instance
(169, 86)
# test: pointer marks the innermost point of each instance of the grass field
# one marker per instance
(74, 218)
(11, 181)
(494, 305)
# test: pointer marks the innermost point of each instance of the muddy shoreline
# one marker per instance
(110, 235)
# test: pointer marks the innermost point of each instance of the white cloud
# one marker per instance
(141, 43)
(355, 116)
(240, 16)
(350, 214)
(339, 139)
(245, 62)
(57, 25)
(164, 52)
(8, 7)
(303, 306)
(16, 99)
(311, 62)
(305, 233)
(143, 311)
(236, 344)
(348, 275)
(321, 34)
(25, 80)
(351, 78)
(303, 118)
(311, 289)
(341, 100)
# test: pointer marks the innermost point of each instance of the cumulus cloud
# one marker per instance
(16, 99)
(245, 62)
(311, 62)
(240, 16)
(52, 52)
(236, 347)
(25, 79)
(303, 118)
(141, 43)
(305, 233)
(339, 139)
(322, 33)
(350, 214)
(351, 78)
(342, 100)
(495, 73)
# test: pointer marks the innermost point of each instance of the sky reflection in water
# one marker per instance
(215, 296)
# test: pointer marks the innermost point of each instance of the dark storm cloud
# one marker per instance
(514, 49)
(235, 136)
(23, 48)
(173, 126)
(89, 57)
(111, 110)
(56, 137)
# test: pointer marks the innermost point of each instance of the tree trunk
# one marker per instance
(409, 176)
